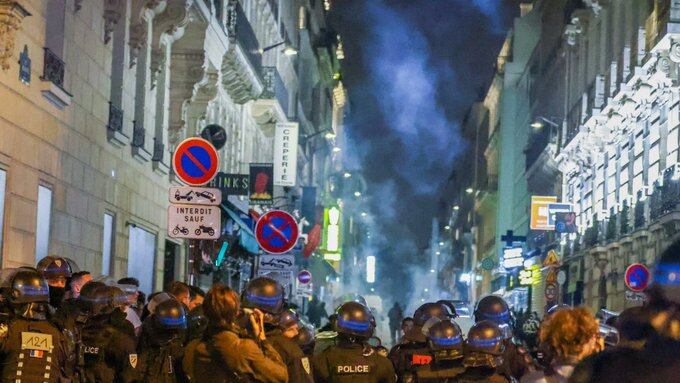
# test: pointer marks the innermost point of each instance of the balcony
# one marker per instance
(52, 86)
(138, 139)
(114, 129)
(242, 63)
(158, 158)
(272, 106)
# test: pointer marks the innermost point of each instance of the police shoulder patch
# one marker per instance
(306, 365)
(133, 360)
(4, 330)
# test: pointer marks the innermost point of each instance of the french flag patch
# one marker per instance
(37, 353)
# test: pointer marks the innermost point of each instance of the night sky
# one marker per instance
(412, 69)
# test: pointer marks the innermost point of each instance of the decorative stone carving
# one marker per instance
(11, 15)
(157, 63)
(674, 52)
(112, 13)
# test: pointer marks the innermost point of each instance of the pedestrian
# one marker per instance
(659, 360)
(352, 359)
(196, 297)
(395, 316)
(281, 326)
(414, 351)
(181, 292)
(74, 285)
(571, 335)
(516, 359)
(197, 321)
(108, 343)
(445, 340)
(313, 312)
(231, 351)
(32, 349)
(406, 326)
(161, 346)
(483, 355)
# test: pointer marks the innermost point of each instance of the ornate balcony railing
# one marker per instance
(115, 118)
(138, 134)
(274, 87)
(239, 28)
(158, 150)
(53, 68)
(639, 212)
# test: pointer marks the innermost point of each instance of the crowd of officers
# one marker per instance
(57, 324)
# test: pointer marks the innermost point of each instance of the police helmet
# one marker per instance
(429, 310)
(119, 298)
(445, 340)
(355, 319)
(557, 308)
(288, 319)
(265, 294)
(666, 280)
(305, 339)
(492, 308)
(96, 299)
(170, 315)
(53, 267)
(351, 297)
(24, 285)
(484, 345)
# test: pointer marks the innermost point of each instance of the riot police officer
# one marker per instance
(161, 346)
(266, 295)
(445, 340)
(516, 360)
(57, 271)
(32, 349)
(109, 351)
(483, 354)
(414, 351)
(351, 359)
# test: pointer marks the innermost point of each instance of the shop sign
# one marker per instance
(261, 184)
(332, 239)
(530, 276)
(513, 257)
(231, 184)
(540, 213)
(285, 153)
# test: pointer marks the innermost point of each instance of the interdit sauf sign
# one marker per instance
(285, 153)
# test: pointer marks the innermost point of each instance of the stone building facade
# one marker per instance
(98, 93)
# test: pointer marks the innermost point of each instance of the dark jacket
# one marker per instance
(439, 373)
(109, 351)
(160, 354)
(352, 363)
(23, 352)
(298, 365)
(481, 374)
(225, 356)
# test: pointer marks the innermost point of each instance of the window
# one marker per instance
(623, 175)
(107, 244)
(3, 184)
(44, 216)
(142, 257)
(654, 154)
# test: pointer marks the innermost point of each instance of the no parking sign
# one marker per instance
(195, 161)
(637, 277)
(276, 232)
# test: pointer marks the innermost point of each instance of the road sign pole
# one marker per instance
(193, 256)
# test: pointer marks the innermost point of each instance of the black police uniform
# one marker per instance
(445, 341)
(352, 362)
(298, 365)
(160, 357)
(109, 352)
(197, 323)
(408, 357)
(439, 372)
(32, 351)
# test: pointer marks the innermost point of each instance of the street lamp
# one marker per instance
(447, 227)
(357, 194)
(363, 214)
(347, 175)
(456, 207)
(336, 149)
(469, 190)
(288, 50)
(330, 135)
(441, 243)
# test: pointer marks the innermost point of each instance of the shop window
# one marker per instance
(107, 243)
(142, 257)
(43, 218)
